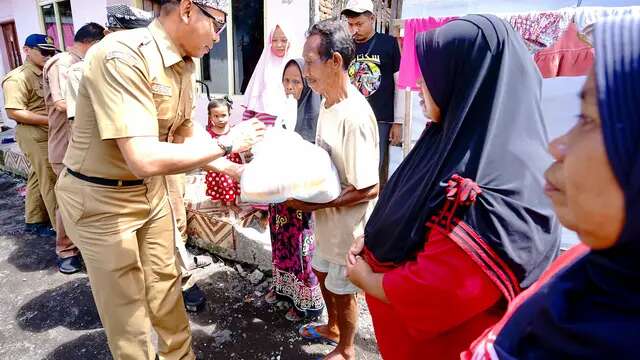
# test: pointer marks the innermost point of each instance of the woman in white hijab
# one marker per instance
(265, 94)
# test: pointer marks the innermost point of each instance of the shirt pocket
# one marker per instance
(165, 109)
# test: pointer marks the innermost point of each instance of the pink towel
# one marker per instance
(409, 68)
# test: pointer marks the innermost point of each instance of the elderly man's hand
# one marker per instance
(302, 205)
(360, 273)
(395, 135)
(355, 250)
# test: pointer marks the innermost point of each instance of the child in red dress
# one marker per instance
(220, 186)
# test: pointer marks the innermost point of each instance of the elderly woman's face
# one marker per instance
(585, 193)
(292, 81)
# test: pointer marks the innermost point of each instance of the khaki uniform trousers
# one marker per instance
(64, 246)
(175, 191)
(35, 211)
(126, 238)
(176, 188)
(40, 202)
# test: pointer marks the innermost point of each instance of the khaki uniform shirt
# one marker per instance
(22, 89)
(348, 131)
(55, 83)
(135, 84)
(74, 75)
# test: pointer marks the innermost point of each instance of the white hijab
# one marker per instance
(265, 93)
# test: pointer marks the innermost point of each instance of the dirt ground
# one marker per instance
(47, 315)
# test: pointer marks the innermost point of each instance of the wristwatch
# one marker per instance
(225, 144)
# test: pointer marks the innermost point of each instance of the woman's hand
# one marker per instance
(362, 276)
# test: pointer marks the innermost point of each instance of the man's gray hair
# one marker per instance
(334, 37)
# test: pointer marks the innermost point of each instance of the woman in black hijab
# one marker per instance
(587, 305)
(291, 233)
(463, 224)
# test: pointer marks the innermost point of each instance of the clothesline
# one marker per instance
(560, 40)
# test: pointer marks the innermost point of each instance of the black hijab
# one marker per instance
(308, 107)
(591, 310)
(488, 89)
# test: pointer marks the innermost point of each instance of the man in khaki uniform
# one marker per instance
(54, 83)
(136, 93)
(24, 103)
(125, 17)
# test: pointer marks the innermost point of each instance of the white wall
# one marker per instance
(89, 11)
(27, 18)
(25, 15)
(293, 14)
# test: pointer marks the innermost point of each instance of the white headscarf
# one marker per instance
(265, 93)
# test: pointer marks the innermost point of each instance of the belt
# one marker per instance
(105, 182)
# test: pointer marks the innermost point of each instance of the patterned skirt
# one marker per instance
(292, 249)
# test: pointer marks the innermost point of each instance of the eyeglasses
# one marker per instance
(218, 26)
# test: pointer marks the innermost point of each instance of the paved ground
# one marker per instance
(46, 315)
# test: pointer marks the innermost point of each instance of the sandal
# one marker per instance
(200, 261)
(309, 332)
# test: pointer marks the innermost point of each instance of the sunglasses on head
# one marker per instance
(218, 25)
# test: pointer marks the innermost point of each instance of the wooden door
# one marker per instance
(11, 44)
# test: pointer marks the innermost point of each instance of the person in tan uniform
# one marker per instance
(136, 96)
(54, 83)
(125, 17)
(24, 103)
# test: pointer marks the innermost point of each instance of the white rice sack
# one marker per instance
(285, 166)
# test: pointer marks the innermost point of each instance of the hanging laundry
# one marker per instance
(540, 30)
(569, 56)
(586, 17)
(409, 68)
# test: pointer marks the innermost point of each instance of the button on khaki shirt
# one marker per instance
(22, 89)
(54, 83)
(135, 84)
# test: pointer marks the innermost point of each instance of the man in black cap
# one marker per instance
(24, 103)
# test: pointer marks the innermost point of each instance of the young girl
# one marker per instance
(220, 186)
